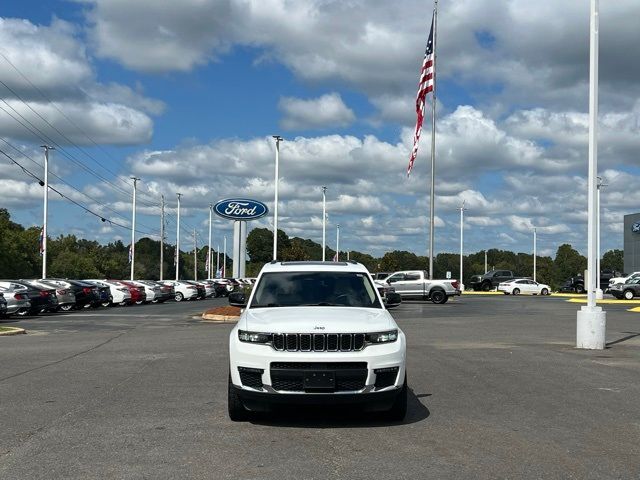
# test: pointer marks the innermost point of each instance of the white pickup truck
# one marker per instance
(416, 283)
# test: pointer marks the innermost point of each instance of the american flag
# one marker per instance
(425, 85)
(130, 254)
(42, 241)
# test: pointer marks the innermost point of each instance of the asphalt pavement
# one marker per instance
(496, 391)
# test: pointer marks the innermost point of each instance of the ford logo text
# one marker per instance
(240, 209)
(635, 228)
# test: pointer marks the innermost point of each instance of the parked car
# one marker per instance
(202, 291)
(86, 294)
(151, 290)
(120, 294)
(626, 290)
(138, 293)
(622, 279)
(416, 284)
(40, 299)
(3, 305)
(315, 333)
(491, 279)
(17, 301)
(222, 287)
(573, 285)
(524, 286)
(66, 297)
(183, 290)
(161, 292)
(380, 275)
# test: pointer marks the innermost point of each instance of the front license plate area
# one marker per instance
(314, 380)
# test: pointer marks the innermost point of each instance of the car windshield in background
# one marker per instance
(296, 289)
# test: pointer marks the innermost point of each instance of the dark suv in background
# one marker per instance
(491, 279)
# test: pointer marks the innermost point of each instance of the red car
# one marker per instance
(138, 295)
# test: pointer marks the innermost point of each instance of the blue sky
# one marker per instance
(186, 96)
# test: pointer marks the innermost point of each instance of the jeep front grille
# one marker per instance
(318, 342)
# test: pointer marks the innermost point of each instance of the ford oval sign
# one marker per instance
(635, 228)
(241, 209)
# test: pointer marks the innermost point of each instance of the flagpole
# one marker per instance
(433, 143)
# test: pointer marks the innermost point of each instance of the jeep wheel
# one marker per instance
(628, 294)
(516, 291)
(237, 412)
(486, 286)
(439, 297)
(399, 409)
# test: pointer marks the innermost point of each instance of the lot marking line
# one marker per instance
(634, 309)
(606, 301)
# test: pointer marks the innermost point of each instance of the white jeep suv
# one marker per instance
(316, 333)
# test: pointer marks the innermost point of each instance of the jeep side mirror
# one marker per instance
(237, 299)
(392, 300)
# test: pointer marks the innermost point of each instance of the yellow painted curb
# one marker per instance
(13, 331)
(570, 295)
(634, 309)
(606, 301)
(471, 292)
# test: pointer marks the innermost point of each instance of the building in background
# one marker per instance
(632, 243)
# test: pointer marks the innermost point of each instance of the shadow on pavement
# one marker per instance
(623, 339)
(340, 417)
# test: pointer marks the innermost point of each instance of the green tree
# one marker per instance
(568, 263)
(400, 260)
(613, 260)
(260, 244)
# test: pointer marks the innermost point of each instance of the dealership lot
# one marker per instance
(497, 391)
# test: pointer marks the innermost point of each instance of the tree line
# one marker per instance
(73, 257)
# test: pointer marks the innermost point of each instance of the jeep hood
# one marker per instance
(317, 320)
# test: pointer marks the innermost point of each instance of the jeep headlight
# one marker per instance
(254, 337)
(382, 337)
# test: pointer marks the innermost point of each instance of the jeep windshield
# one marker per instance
(299, 289)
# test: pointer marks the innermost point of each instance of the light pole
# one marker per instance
(133, 228)
(600, 184)
(324, 221)
(337, 242)
(485, 262)
(535, 246)
(195, 257)
(278, 139)
(462, 209)
(591, 322)
(217, 260)
(209, 253)
(161, 237)
(46, 209)
(178, 240)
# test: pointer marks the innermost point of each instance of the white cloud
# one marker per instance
(326, 111)
(51, 91)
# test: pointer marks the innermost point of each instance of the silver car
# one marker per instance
(66, 297)
(17, 301)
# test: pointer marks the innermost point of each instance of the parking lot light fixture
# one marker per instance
(324, 222)
(278, 139)
(591, 320)
(462, 209)
(43, 246)
(535, 240)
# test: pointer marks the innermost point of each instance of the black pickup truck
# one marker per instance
(491, 279)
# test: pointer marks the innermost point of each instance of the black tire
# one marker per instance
(544, 291)
(486, 286)
(516, 291)
(179, 297)
(628, 294)
(438, 296)
(155, 300)
(579, 289)
(237, 412)
(398, 410)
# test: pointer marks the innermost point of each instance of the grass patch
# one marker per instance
(6, 329)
